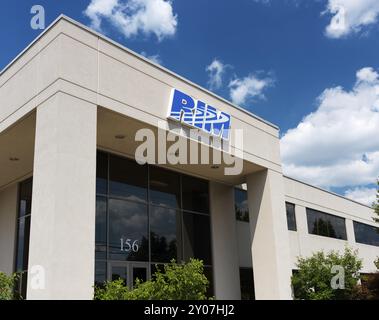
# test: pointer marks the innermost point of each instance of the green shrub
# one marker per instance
(175, 282)
(7, 284)
(312, 281)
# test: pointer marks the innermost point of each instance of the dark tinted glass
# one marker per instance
(25, 201)
(101, 227)
(128, 228)
(240, 205)
(139, 273)
(247, 284)
(101, 173)
(366, 234)
(196, 237)
(165, 231)
(156, 267)
(208, 272)
(100, 272)
(23, 243)
(291, 217)
(164, 188)
(195, 194)
(323, 224)
(21, 286)
(127, 179)
(23, 234)
(120, 272)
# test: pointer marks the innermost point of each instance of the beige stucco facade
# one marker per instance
(70, 93)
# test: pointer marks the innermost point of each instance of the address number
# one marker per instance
(128, 245)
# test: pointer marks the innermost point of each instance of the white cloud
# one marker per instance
(132, 17)
(362, 194)
(216, 70)
(350, 16)
(154, 57)
(338, 145)
(249, 87)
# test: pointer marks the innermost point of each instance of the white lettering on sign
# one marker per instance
(128, 245)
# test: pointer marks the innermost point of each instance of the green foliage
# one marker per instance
(7, 284)
(313, 279)
(176, 282)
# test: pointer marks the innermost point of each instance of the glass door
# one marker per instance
(129, 272)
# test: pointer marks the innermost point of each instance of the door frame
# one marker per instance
(129, 265)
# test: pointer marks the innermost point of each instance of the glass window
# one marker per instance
(128, 179)
(101, 227)
(128, 228)
(23, 234)
(247, 284)
(139, 217)
(102, 173)
(25, 201)
(208, 272)
(165, 231)
(164, 187)
(196, 237)
(291, 217)
(100, 272)
(139, 273)
(327, 225)
(23, 243)
(120, 272)
(240, 205)
(366, 234)
(195, 194)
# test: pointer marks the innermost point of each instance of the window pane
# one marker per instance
(240, 205)
(164, 187)
(323, 224)
(101, 173)
(291, 217)
(23, 243)
(25, 205)
(128, 227)
(208, 272)
(247, 284)
(338, 227)
(139, 273)
(165, 231)
(101, 227)
(120, 272)
(100, 272)
(195, 194)
(127, 179)
(366, 234)
(196, 237)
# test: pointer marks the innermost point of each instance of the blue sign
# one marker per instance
(197, 114)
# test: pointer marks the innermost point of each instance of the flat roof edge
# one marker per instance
(88, 29)
(327, 191)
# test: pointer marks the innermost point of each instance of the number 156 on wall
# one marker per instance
(128, 245)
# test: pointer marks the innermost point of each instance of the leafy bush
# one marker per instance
(313, 279)
(176, 282)
(7, 284)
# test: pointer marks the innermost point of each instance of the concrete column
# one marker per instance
(62, 238)
(350, 232)
(8, 218)
(224, 242)
(269, 234)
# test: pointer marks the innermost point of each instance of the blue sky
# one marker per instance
(292, 62)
